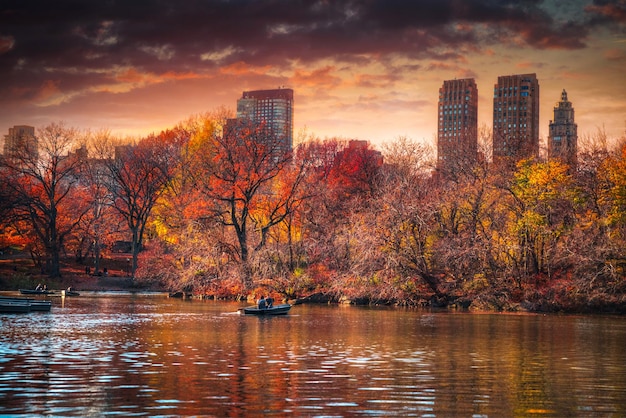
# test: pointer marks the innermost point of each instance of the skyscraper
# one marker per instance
(457, 133)
(274, 109)
(563, 136)
(19, 142)
(515, 118)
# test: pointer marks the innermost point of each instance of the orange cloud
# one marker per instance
(439, 66)
(611, 11)
(131, 75)
(242, 68)
(48, 91)
(322, 77)
(371, 80)
(171, 75)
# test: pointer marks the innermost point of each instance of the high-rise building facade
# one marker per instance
(563, 135)
(274, 109)
(20, 141)
(457, 133)
(515, 117)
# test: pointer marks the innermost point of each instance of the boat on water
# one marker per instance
(69, 293)
(274, 310)
(22, 305)
(14, 307)
(36, 292)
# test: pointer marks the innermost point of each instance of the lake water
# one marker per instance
(153, 356)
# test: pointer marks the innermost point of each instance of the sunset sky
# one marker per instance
(359, 69)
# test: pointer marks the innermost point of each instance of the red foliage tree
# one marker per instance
(44, 185)
(138, 175)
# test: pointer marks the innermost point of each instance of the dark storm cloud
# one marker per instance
(51, 40)
(608, 12)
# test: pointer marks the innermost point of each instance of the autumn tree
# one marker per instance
(137, 176)
(543, 211)
(343, 177)
(468, 219)
(613, 199)
(183, 218)
(408, 206)
(354, 169)
(100, 224)
(44, 186)
(614, 195)
(241, 167)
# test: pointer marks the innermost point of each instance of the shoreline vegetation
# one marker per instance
(218, 209)
(556, 296)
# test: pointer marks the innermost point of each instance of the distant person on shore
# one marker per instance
(261, 304)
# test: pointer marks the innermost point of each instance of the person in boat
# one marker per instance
(269, 302)
(39, 287)
(262, 304)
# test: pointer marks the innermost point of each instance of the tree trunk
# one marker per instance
(96, 256)
(134, 248)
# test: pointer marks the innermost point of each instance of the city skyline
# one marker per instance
(368, 71)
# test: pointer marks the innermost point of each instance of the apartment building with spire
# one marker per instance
(563, 133)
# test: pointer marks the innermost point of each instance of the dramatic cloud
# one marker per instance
(605, 11)
(98, 33)
(53, 53)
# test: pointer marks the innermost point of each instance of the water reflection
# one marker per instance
(153, 356)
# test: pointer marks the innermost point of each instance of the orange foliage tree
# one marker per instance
(240, 182)
(138, 175)
(44, 184)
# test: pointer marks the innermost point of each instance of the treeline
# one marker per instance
(220, 209)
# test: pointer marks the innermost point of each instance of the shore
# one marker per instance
(17, 271)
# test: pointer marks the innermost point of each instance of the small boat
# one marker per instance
(274, 310)
(36, 292)
(69, 293)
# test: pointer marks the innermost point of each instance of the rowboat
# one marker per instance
(19, 305)
(36, 292)
(274, 310)
(69, 293)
